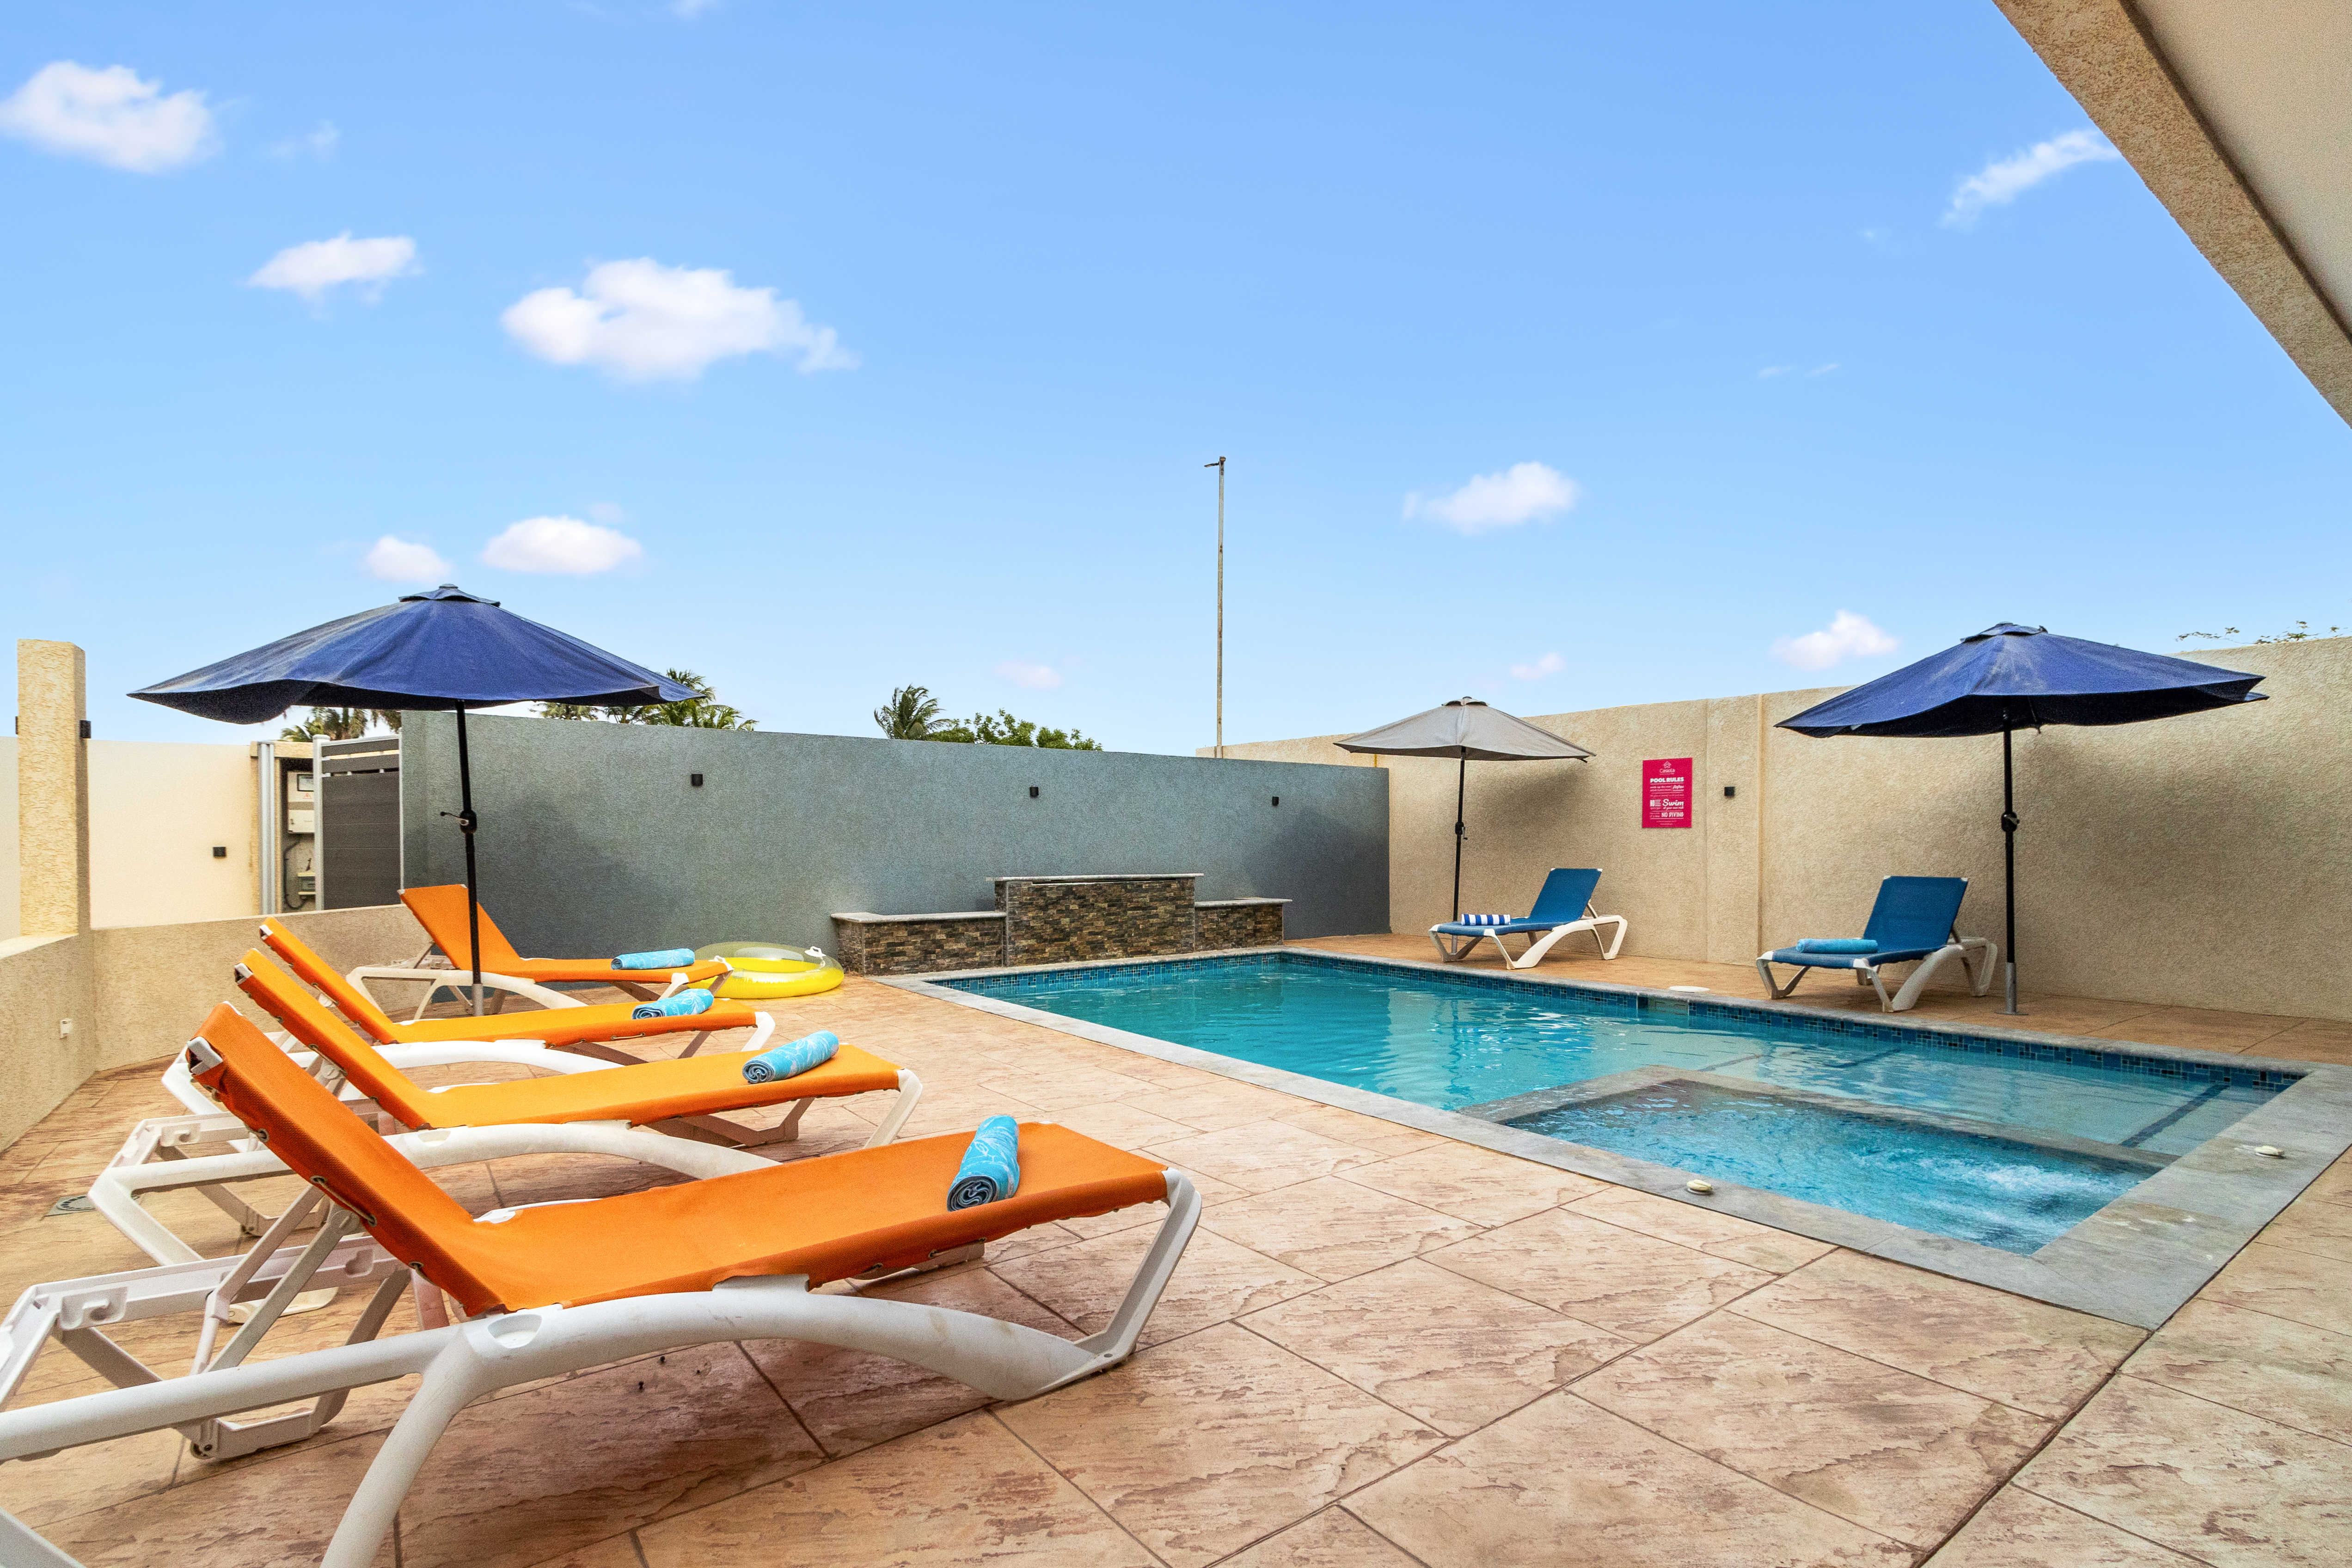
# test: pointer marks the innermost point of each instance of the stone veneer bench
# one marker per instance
(1059, 920)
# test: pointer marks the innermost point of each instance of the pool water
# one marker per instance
(1453, 1042)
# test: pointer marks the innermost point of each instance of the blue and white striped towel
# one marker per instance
(1485, 920)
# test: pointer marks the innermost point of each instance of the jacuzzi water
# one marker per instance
(1456, 1040)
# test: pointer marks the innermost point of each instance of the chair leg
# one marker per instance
(1780, 993)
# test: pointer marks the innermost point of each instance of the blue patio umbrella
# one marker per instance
(447, 649)
(2010, 678)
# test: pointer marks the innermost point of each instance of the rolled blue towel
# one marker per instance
(990, 1170)
(793, 1057)
(668, 958)
(685, 1005)
(1837, 944)
(1485, 920)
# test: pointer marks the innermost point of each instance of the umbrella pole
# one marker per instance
(466, 826)
(1461, 779)
(2009, 857)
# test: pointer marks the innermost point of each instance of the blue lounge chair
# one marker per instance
(1565, 905)
(1912, 923)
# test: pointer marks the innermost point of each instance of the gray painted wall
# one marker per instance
(593, 842)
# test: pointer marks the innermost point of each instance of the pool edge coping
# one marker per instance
(2136, 1260)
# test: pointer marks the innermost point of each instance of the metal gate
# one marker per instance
(359, 822)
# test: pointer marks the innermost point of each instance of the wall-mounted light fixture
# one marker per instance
(220, 851)
(1731, 790)
(694, 779)
(1277, 800)
(1033, 791)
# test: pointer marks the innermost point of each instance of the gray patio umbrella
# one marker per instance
(1465, 729)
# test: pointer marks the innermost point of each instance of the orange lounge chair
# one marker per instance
(681, 1095)
(442, 912)
(585, 1029)
(561, 1287)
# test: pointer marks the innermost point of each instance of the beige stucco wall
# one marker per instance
(155, 984)
(2204, 861)
(156, 809)
(44, 983)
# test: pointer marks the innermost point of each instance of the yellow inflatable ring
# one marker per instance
(767, 971)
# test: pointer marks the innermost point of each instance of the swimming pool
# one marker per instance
(2008, 1143)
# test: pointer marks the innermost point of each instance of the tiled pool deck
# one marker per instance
(1382, 1348)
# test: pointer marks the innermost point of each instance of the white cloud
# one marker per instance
(393, 558)
(2004, 180)
(647, 321)
(1023, 672)
(607, 511)
(1848, 636)
(563, 544)
(318, 144)
(316, 266)
(1520, 493)
(1549, 664)
(110, 116)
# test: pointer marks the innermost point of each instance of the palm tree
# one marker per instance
(703, 711)
(913, 714)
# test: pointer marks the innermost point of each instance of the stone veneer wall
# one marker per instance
(1241, 923)
(918, 944)
(1058, 921)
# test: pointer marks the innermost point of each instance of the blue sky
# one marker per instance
(1563, 356)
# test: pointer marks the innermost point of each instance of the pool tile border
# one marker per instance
(2135, 1261)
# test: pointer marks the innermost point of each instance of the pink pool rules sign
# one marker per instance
(1666, 792)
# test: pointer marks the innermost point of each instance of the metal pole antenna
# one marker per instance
(2008, 855)
(1219, 465)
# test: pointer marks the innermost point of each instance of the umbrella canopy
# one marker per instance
(1468, 729)
(1465, 728)
(2010, 678)
(2021, 678)
(447, 649)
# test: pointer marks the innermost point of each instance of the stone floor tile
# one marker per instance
(277, 1514)
(1453, 1352)
(2321, 1228)
(620, 1552)
(2019, 1529)
(2197, 1029)
(1893, 1452)
(1333, 1229)
(563, 1178)
(1217, 1279)
(2292, 1374)
(1613, 1279)
(1473, 1184)
(958, 1108)
(2334, 1184)
(1565, 1484)
(851, 1399)
(1199, 1446)
(1121, 1125)
(1332, 1539)
(1212, 1192)
(605, 1455)
(1259, 1156)
(2226, 1488)
(102, 1475)
(965, 1494)
(2037, 1357)
(1351, 1127)
(1216, 1103)
(2285, 1283)
(1056, 1089)
(1720, 1234)
(1037, 1239)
